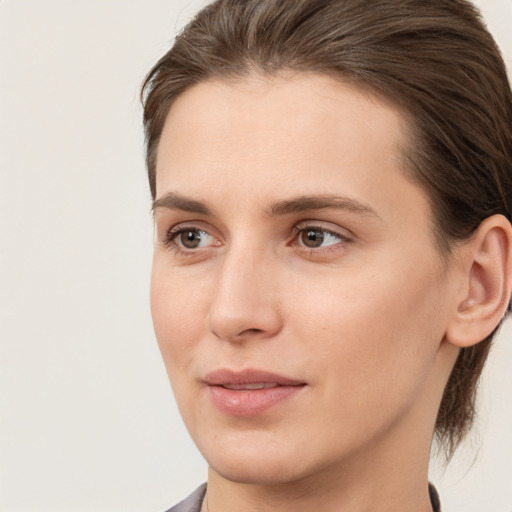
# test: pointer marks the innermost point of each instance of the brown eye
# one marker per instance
(190, 239)
(312, 238)
(318, 238)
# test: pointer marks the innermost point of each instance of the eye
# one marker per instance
(189, 238)
(315, 238)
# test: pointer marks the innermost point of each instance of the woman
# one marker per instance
(332, 189)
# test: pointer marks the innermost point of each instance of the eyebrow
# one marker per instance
(175, 201)
(320, 202)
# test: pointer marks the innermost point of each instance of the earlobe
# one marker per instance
(487, 283)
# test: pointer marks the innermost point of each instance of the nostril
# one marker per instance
(237, 336)
(247, 334)
(251, 331)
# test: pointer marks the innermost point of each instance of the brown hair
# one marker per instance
(434, 59)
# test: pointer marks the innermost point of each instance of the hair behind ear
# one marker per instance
(482, 305)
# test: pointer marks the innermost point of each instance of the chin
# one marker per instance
(264, 459)
(253, 459)
(261, 472)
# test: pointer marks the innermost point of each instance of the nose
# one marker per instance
(245, 303)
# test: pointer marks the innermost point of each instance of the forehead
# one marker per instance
(278, 119)
(249, 143)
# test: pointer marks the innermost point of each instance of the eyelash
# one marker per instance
(300, 229)
(173, 233)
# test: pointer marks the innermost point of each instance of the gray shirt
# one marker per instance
(194, 502)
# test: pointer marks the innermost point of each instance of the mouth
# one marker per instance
(241, 387)
(250, 392)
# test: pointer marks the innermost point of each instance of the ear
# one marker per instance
(486, 283)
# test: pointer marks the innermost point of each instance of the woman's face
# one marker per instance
(298, 299)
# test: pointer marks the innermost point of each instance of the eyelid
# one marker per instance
(170, 234)
(344, 239)
(328, 227)
(168, 226)
(174, 236)
(174, 231)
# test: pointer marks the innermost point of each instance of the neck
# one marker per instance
(364, 484)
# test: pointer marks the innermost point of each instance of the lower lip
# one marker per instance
(250, 402)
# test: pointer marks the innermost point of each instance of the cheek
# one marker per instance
(376, 335)
(178, 309)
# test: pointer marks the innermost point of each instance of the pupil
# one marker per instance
(190, 239)
(312, 238)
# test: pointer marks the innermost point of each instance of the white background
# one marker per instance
(87, 419)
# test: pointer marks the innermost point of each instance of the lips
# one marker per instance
(250, 392)
(263, 385)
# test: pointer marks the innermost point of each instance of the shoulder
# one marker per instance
(192, 503)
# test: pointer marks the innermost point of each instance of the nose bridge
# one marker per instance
(244, 304)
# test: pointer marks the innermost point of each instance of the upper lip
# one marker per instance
(227, 377)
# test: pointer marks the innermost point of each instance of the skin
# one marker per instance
(361, 319)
